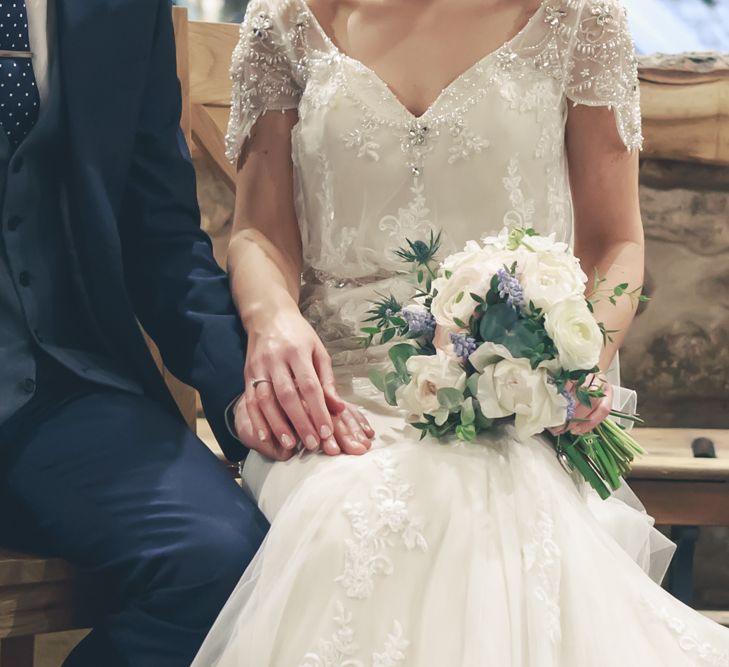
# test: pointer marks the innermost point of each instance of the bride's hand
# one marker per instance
(291, 393)
(588, 418)
(290, 383)
(352, 434)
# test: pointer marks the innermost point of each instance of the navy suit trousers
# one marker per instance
(113, 483)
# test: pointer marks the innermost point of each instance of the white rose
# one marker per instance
(471, 253)
(546, 243)
(472, 271)
(512, 387)
(453, 301)
(578, 338)
(500, 242)
(428, 374)
(549, 278)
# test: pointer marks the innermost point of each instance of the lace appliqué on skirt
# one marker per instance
(688, 640)
(376, 528)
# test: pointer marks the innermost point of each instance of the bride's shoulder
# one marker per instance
(593, 16)
(282, 11)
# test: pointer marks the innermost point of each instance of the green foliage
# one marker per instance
(496, 322)
(450, 398)
(399, 355)
(422, 256)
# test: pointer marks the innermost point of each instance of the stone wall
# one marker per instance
(676, 355)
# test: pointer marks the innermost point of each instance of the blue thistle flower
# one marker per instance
(510, 289)
(464, 346)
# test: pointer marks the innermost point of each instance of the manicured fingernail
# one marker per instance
(262, 435)
(326, 432)
(286, 441)
(361, 437)
(311, 442)
(333, 447)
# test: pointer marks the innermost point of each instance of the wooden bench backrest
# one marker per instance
(210, 46)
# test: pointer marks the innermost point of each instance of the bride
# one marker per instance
(393, 119)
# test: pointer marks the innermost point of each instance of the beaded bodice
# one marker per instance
(489, 151)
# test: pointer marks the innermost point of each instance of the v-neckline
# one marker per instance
(415, 118)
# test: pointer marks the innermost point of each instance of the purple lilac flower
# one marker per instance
(420, 321)
(510, 289)
(464, 346)
(571, 404)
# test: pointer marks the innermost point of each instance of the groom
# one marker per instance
(99, 227)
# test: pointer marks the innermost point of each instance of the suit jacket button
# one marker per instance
(28, 385)
(14, 222)
(24, 278)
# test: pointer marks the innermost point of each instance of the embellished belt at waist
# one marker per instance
(314, 277)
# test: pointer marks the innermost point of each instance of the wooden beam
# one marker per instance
(685, 104)
(210, 140)
(211, 47)
(684, 503)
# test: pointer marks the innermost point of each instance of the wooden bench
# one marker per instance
(686, 117)
(676, 487)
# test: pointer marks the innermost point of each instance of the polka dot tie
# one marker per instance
(19, 100)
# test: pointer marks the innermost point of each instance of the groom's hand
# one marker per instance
(247, 434)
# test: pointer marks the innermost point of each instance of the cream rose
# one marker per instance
(428, 374)
(549, 278)
(511, 387)
(453, 301)
(470, 272)
(578, 338)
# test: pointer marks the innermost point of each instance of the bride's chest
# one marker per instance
(495, 106)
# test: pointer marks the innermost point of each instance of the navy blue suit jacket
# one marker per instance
(132, 206)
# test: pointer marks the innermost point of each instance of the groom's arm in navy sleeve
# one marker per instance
(180, 295)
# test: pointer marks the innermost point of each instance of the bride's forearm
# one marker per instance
(264, 281)
(617, 263)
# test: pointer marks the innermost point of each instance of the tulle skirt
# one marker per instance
(420, 554)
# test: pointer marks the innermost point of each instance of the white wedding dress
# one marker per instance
(421, 554)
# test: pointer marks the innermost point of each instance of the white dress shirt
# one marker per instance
(38, 32)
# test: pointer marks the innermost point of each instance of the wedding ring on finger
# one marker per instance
(256, 382)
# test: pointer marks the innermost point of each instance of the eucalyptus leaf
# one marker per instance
(522, 341)
(399, 355)
(466, 433)
(450, 399)
(468, 413)
(377, 378)
(472, 384)
(496, 322)
(392, 384)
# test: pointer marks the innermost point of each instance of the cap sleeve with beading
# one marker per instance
(603, 69)
(262, 71)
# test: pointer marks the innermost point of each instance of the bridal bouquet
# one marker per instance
(502, 332)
